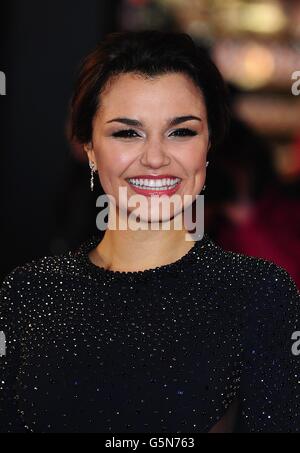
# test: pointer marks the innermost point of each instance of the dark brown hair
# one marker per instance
(149, 53)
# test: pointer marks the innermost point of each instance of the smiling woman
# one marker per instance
(144, 331)
(154, 156)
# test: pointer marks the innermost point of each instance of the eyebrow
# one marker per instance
(173, 122)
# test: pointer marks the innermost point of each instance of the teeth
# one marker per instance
(156, 188)
(158, 184)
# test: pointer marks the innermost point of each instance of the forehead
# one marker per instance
(166, 94)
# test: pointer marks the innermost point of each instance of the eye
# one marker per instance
(125, 133)
(184, 132)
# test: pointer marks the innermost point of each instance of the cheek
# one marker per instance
(112, 159)
(193, 160)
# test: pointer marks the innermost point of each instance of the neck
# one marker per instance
(132, 251)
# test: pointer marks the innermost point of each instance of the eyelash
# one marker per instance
(122, 133)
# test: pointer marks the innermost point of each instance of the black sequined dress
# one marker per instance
(162, 350)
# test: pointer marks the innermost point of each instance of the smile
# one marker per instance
(157, 185)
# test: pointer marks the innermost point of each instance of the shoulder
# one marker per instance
(262, 292)
(40, 272)
(257, 274)
(34, 268)
(271, 309)
(268, 304)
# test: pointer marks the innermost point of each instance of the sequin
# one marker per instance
(167, 349)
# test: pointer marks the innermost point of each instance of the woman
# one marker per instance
(148, 330)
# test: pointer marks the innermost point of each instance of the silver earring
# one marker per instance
(207, 163)
(203, 188)
(93, 169)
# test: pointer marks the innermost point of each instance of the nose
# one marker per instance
(154, 155)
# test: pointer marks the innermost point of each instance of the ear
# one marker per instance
(88, 148)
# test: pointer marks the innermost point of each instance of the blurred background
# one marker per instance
(253, 184)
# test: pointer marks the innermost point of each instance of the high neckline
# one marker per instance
(82, 253)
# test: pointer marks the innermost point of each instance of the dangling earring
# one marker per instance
(204, 187)
(93, 169)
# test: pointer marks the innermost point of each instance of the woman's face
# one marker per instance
(134, 139)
